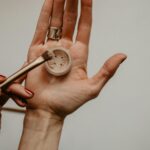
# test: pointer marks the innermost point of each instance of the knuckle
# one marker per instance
(13, 87)
(45, 13)
(58, 3)
(106, 71)
(87, 3)
(70, 17)
(94, 92)
(42, 27)
(9, 89)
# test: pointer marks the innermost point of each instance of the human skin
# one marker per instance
(15, 91)
(57, 97)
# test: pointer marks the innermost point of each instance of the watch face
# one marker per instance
(60, 63)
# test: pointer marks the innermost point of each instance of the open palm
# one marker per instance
(63, 95)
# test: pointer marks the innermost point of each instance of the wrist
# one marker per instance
(42, 130)
(37, 119)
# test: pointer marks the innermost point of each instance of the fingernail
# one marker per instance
(29, 92)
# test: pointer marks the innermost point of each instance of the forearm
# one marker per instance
(41, 130)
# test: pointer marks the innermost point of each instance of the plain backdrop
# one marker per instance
(119, 119)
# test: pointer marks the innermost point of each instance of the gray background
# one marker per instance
(119, 119)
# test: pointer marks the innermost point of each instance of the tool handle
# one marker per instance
(22, 71)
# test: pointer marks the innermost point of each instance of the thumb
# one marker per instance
(107, 71)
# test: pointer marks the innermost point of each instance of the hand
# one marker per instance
(17, 92)
(56, 97)
(63, 95)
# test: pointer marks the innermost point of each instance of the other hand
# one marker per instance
(63, 95)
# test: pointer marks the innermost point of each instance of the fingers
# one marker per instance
(57, 16)
(57, 13)
(106, 72)
(19, 91)
(70, 18)
(20, 102)
(19, 94)
(43, 23)
(85, 22)
(2, 78)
